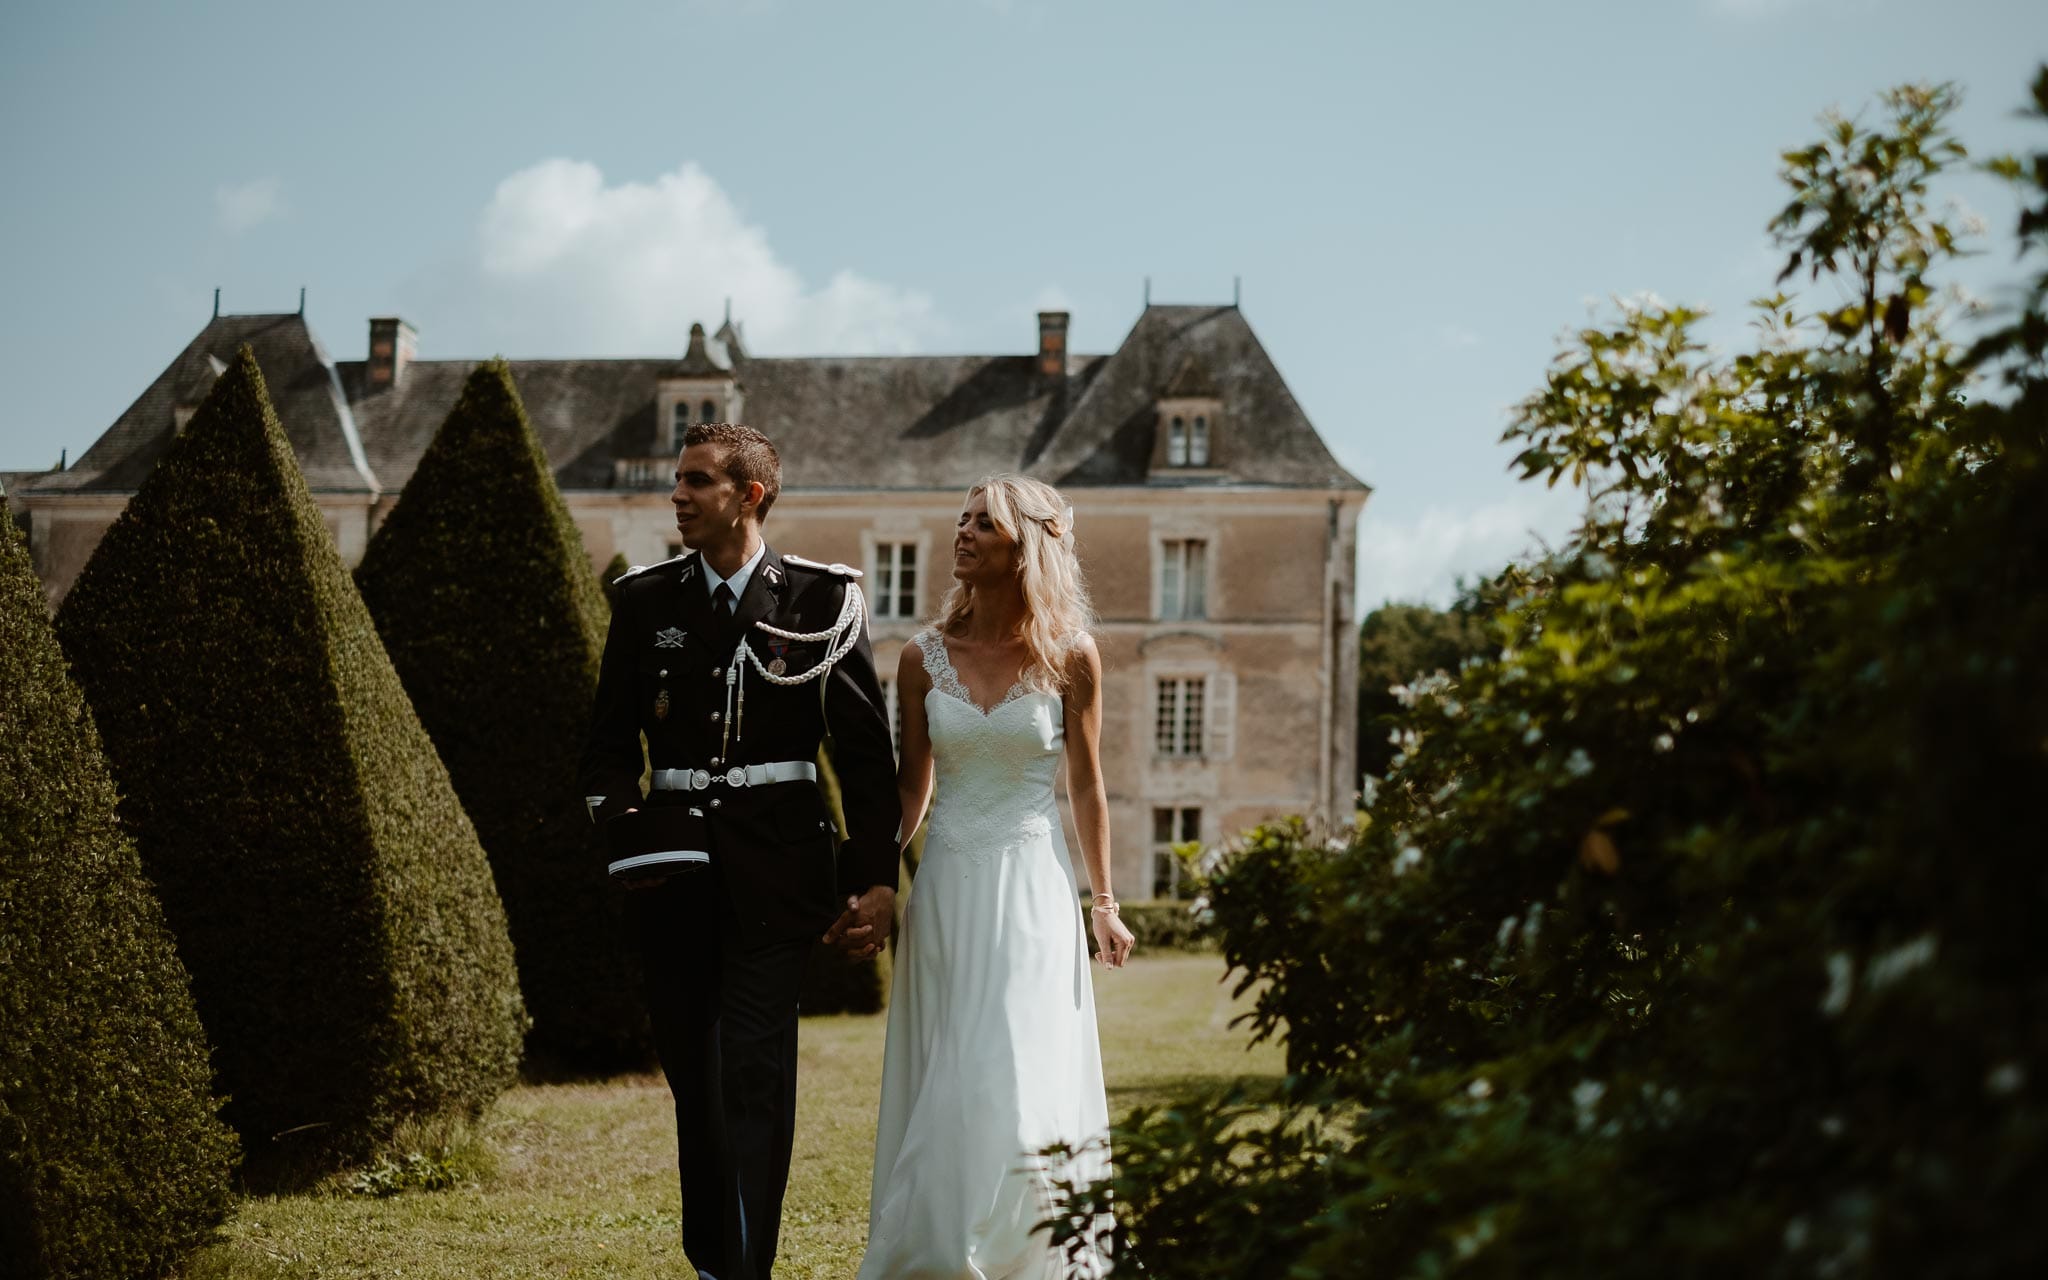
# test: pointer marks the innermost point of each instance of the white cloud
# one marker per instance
(1420, 558)
(1456, 337)
(243, 205)
(568, 264)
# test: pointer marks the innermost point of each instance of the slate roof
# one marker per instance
(303, 387)
(840, 422)
(1263, 437)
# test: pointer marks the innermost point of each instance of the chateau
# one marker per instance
(1217, 531)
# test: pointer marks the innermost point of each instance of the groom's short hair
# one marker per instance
(750, 457)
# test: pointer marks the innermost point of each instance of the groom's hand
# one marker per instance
(863, 928)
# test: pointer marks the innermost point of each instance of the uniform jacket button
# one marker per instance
(716, 803)
(714, 717)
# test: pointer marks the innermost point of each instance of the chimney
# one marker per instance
(393, 345)
(1052, 344)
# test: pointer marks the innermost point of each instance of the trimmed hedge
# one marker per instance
(348, 953)
(614, 568)
(485, 601)
(112, 1160)
(1161, 924)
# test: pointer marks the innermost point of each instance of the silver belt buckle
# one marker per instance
(700, 779)
(736, 777)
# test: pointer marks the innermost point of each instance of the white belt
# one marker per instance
(752, 775)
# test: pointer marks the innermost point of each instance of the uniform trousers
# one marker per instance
(725, 1024)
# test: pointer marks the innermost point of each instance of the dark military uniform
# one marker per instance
(724, 950)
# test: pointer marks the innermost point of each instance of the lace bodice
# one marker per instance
(994, 770)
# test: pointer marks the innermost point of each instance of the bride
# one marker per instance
(992, 1053)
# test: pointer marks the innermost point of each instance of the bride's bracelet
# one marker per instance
(1104, 904)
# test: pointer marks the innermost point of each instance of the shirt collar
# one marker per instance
(740, 576)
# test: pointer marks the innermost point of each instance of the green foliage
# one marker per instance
(485, 601)
(614, 568)
(1396, 644)
(112, 1161)
(1691, 932)
(348, 952)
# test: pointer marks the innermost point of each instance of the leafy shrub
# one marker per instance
(1691, 931)
(485, 601)
(112, 1160)
(348, 952)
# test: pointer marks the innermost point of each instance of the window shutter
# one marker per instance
(1222, 711)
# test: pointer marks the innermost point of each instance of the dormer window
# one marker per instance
(1189, 409)
(1187, 440)
(700, 388)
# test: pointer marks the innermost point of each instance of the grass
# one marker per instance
(578, 1180)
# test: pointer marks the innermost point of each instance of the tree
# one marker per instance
(1693, 931)
(485, 601)
(348, 952)
(113, 1162)
(1396, 644)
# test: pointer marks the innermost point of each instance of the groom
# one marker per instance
(724, 947)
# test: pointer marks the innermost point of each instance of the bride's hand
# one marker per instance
(1113, 938)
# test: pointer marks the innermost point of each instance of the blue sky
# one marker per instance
(1419, 198)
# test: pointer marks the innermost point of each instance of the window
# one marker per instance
(1198, 443)
(1177, 443)
(1177, 716)
(895, 580)
(1183, 579)
(1172, 827)
(679, 421)
(710, 411)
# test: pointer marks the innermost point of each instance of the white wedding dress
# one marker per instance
(992, 1053)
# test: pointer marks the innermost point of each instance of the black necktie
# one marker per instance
(721, 600)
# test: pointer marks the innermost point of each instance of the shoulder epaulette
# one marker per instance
(639, 569)
(844, 571)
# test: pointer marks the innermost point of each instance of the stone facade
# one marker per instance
(1218, 536)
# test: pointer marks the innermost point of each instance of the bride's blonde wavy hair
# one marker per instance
(1057, 611)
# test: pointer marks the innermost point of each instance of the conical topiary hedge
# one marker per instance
(347, 949)
(486, 603)
(614, 568)
(112, 1160)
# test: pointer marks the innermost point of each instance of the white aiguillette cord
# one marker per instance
(841, 636)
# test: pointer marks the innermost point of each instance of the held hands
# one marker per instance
(1113, 938)
(863, 928)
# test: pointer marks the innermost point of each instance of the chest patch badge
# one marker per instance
(669, 638)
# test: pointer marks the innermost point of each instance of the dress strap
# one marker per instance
(939, 665)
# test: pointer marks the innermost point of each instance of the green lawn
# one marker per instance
(579, 1180)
